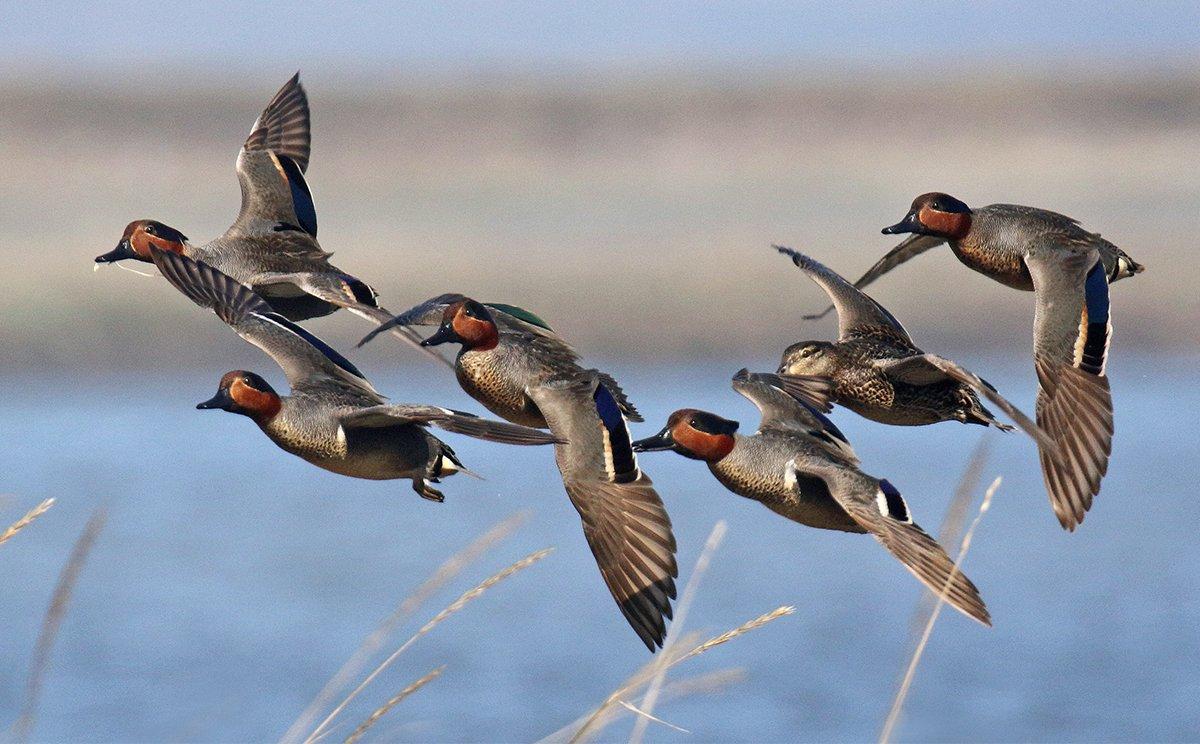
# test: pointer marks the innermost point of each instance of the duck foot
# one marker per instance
(427, 491)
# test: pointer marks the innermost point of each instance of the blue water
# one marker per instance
(232, 579)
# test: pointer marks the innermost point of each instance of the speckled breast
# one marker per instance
(498, 386)
(995, 259)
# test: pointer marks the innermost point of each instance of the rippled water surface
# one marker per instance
(232, 579)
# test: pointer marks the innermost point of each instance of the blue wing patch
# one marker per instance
(1095, 343)
(896, 507)
(624, 464)
(317, 343)
(826, 425)
(302, 201)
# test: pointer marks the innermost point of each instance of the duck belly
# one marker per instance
(918, 405)
(371, 453)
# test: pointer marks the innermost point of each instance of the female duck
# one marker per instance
(877, 371)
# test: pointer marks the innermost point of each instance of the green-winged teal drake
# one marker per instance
(333, 417)
(272, 246)
(800, 466)
(1069, 270)
(513, 363)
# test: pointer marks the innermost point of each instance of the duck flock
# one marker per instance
(268, 272)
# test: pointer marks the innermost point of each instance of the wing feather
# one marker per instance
(910, 544)
(624, 520)
(1072, 331)
(858, 314)
(444, 418)
(305, 359)
(910, 247)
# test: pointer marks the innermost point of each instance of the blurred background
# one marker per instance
(621, 169)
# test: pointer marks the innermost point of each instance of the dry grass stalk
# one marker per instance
(26, 520)
(953, 522)
(371, 644)
(382, 710)
(703, 684)
(624, 690)
(893, 716)
(644, 716)
(742, 629)
(601, 718)
(53, 621)
(650, 699)
(454, 607)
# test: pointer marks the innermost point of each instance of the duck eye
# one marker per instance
(148, 229)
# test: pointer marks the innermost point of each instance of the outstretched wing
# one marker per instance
(283, 127)
(353, 294)
(814, 391)
(858, 314)
(927, 369)
(781, 410)
(884, 513)
(271, 165)
(1070, 349)
(306, 360)
(914, 245)
(624, 520)
(444, 418)
(508, 318)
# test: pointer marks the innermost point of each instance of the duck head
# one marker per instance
(817, 358)
(937, 214)
(139, 235)
(245, 393)
(699, 435)
(466, 322)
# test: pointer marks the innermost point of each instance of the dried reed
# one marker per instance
(703, 684)
(642, 677)
(446, 572)
(650, 699)
(454, 607)
(893, 716)
(53, 621)
(951, 529)
(382, 710)
(644, 716)
(26, 520)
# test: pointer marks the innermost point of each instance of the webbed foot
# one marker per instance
(427, 491)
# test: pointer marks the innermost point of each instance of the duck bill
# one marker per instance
(221, 401)
(657, 443)
(444, 335)
(123, 251)
(910, 224)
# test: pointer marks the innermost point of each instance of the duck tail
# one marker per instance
(1124, 267)
(447, 463)
(979, 414)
